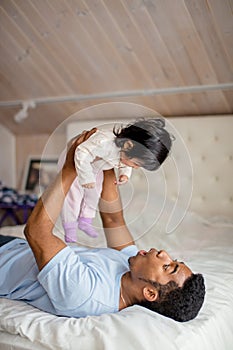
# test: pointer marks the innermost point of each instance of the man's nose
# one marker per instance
(163, 254)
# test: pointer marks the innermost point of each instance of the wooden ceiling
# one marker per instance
(175, 56)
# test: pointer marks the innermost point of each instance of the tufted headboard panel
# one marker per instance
(209, 142)
(199, 171)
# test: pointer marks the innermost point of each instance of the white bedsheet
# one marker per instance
(205, 247)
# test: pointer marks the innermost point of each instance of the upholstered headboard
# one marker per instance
(209, 141)
(199, 171)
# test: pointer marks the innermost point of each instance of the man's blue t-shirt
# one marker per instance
(77, 282)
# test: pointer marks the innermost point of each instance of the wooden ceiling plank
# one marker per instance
(114, 23)
(155, 70)
(132, 32)
(78, 37)
(9, 60)
(229, 98)
(205, 26)
(171, 37)
(159, 13)
(32, 25)
(6, 120)
(151, 34)
(173, 32)
(189, 37)
(101, 56)
(9, 8)
(104, 17)
(88, 21)
(55, 43)
(27, 56)
(191, 40)
(88, 47)
(7, 88)
(23, 82)
(21, 79)
(108, 26)
(198, 56)
(222, 14)
(171, 76)
(58, 22)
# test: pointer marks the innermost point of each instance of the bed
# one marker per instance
(200, 232)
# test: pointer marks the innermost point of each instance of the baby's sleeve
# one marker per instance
(83, 158)
(125, 170)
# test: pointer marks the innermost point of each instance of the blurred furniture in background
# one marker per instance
(15, 207)
(14, 214)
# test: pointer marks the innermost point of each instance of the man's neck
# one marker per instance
(128, 291)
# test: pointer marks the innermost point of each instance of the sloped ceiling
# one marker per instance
(175, 56)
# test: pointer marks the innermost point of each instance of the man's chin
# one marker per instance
(130, 260)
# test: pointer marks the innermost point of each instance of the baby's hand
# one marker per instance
(90, 185)
(122, 180)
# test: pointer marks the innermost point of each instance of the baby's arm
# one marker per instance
(82, 160)
(124, 174)
(85, 154)
(122, 179)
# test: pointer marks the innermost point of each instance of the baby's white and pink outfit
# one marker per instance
(96, 154)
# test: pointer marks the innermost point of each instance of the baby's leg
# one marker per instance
(89, 205)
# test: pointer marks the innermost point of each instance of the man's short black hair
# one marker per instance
(179, 303)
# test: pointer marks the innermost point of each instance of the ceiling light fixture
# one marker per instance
(23, 113)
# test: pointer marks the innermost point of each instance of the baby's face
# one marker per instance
(131, 162)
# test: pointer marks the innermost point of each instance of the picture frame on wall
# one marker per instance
(39, 173)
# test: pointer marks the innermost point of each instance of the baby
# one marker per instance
(145, 143)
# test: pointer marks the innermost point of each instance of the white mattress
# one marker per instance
(205, 247)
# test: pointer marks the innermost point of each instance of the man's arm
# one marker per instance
(115, 229)
(39, 228)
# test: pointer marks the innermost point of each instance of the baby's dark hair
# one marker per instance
(179, 303)
(151, 141)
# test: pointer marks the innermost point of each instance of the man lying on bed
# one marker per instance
(76, 282)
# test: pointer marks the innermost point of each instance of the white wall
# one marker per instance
(7, 158)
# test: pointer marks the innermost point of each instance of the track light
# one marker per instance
(23, 113)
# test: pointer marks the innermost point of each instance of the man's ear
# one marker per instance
(128, 145)
(150, 293)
